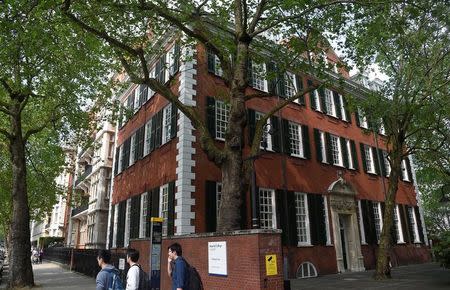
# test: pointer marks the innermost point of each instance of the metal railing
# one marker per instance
(87, 171)
(79, 209)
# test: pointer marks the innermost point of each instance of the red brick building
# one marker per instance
(321, 179)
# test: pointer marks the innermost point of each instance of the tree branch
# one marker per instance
(257, 17)
(6, 134)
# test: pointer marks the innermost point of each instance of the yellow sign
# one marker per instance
(271, 265)
(156, 219)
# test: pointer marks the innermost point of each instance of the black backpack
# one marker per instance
(194, 282)
(144, 282)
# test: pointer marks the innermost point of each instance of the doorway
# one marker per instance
(343, 229)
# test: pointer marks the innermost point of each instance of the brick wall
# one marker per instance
(246, 252)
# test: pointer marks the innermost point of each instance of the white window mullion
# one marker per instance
(350, 154)
(361, 224)
(147, 134)
(116, 219)
(143, 215)
(132, 149)
(399, 229)
(323, 147)
(164, 206)
(302, 219)
(127, 223)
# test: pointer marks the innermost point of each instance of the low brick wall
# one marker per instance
(246, 252)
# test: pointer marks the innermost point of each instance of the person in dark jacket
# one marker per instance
(177, 267)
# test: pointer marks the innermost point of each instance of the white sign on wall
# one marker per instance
(121, 264)
(217, 258)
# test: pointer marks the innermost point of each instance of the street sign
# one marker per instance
(155, 252)
(271, 265)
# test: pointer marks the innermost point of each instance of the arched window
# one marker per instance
(306, 270)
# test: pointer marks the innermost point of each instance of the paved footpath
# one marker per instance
(413, 277)
(54, 277)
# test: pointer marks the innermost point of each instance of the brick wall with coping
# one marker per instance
(246, 252)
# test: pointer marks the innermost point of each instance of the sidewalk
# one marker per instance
(52, 276)
(413, 277)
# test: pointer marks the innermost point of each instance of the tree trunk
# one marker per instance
(383, 270)
(20, 269)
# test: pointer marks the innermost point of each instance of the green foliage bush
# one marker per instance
(442, 249)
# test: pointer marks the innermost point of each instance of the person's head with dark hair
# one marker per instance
(103, 258)
(132, 256)
(176, 249)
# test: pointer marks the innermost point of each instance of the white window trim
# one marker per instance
(380, 218)
(361, 224)
(342, 108)
(387, 165)
(256, 75)
(217, 66)
(339, 148)
(258, 116)
(415, 226)
(167, 126)
(272, 200)
(126, 241)
(132, 149)
(300, 138)
(400, 238)
(329, 94)
(405, 176)
(143, 218)
(136, 99)
(362, 120)
(150, 92)
(161, 199)
(350, 154)
(290, 80)
(119, 168)
(317, 101)
(323, 147)
(147, 136)
(372, 161)
(327, 221)
(216, 107)
(308, 230)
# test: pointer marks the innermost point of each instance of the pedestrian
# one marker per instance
(133, 271)
(177, 267)
(108, 277)
(41, 255)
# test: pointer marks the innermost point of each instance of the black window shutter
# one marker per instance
(337, 104)
(171, 209)
(211, 116)
(348, 116)
(369, 221)
(251, 125)
(382, 162)
(210, 206)
(141, 141)
(111, 226)
(126, 153)
(149, 212)
(286, 136)
(404, 221)
(318, 141)
(312, 101)
(375, 160)
(345, 156)
(354, 155)
(176, 58)
(363, 156)
(244, 222)
(323, 108)
(153, 134)
(328, 148)
(121, 224)
(305, 140)
(211, 61)
(116, 161)
(299, 83)
(410, 224)
(272, 79)
(130, 101)
(281, 87)
(136, 146)
(155, 203)
(286, 217)
(419, 224)
(274, 122)
(292, 217)
(161, 69)
(135, 216)
(357, 118)
(317, 219)
(159, 127)
(143, 92)
(408, 169)
(173, 121)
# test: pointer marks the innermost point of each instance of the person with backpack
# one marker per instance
(137, 279)
(108, 278)
(177, 268)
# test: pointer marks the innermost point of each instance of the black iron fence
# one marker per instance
(84, 260)
(79, 209)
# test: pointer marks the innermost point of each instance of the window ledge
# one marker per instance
(304, 245)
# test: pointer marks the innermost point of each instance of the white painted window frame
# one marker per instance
(126, 241)
(304, 196)
(143, 215)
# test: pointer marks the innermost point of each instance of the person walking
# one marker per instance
(108, 277)
(134, 270)
(177, 267)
